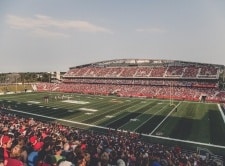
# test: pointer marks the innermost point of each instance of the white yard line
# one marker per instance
(165, 118)
(186, 141)
(221, 112)
(49, 117)
(150, 117)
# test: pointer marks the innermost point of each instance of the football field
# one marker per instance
(176, 122)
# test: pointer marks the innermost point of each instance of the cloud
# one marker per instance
(151, 30)
(41, 24)
(47, 33)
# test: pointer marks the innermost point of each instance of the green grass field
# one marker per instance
(186, 123)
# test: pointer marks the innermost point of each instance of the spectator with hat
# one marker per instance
(33, 156)
(33, 140)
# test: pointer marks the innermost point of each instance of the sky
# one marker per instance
(54, 35)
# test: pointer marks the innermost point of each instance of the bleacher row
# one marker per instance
(147, 72)
(180, 81)
(160, 92)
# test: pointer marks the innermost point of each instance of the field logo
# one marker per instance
(75, 102)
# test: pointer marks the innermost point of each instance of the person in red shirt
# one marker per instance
(6, 143)
(14, 159)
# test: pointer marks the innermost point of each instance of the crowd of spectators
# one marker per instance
(30, 142)
(180, 90)
(181, 82)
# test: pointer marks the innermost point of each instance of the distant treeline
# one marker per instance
(23, 78)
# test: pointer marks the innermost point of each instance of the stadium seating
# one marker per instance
(188, 80)
(53, 144)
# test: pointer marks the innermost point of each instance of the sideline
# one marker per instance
(221, 112)
(48, 117)
(153, 136)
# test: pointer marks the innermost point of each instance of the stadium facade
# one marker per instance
(149, 78)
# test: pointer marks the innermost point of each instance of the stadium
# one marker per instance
(169, 110)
